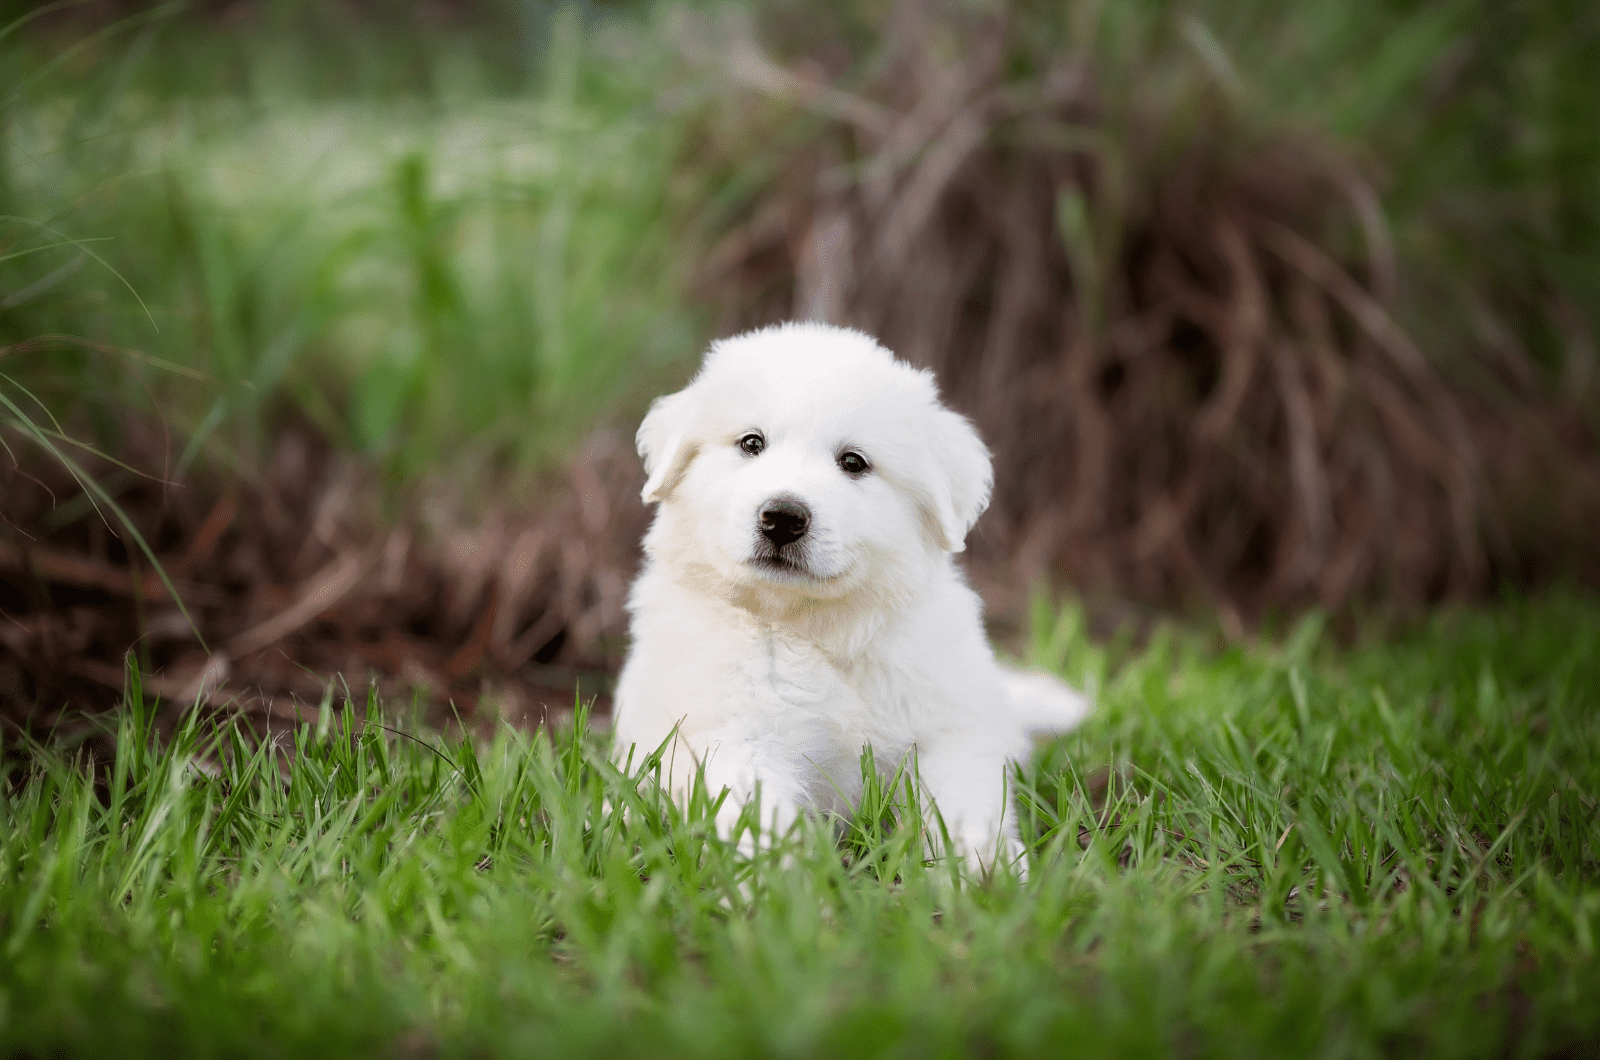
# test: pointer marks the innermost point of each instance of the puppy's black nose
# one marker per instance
(783, 520)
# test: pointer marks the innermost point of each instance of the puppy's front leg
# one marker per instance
(729, 759)
(968, 779)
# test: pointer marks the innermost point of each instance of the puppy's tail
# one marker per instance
(1044, 703)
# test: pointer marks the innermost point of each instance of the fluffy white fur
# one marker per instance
(773, 673)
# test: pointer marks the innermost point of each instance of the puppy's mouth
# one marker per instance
(786, 563)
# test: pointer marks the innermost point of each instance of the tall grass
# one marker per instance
(1288, 850)
(1471, 119)
(434, 254)
(1257, 304)
(478, 234)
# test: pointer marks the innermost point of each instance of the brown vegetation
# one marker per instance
(297, 578)
(1188, 392)
(1179, 336)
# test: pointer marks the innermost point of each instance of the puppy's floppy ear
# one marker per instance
(958, 476)
(664, 445)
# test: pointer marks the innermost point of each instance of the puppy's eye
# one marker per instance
(752, 443)
(853, 463)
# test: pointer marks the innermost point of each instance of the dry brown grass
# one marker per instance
(297, 578)
(1176, 332)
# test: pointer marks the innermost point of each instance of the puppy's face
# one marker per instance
(804, 461)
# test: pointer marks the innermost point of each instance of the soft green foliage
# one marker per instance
(1297, 850)
(217, 227)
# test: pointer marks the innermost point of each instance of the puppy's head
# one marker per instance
(805, 460)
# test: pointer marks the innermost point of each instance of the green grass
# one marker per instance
(1297, 850)
(435, 254)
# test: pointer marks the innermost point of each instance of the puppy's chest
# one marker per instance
(786, 674)
(797, 681)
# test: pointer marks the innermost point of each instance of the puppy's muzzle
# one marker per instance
(783, 520)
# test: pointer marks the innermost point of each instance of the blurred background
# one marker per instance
(325, 326)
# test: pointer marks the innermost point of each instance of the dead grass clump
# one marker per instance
(296, 579)
(1174, 330)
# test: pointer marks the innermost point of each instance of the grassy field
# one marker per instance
(1290, 849)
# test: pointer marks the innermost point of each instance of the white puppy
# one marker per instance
(798, 599)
